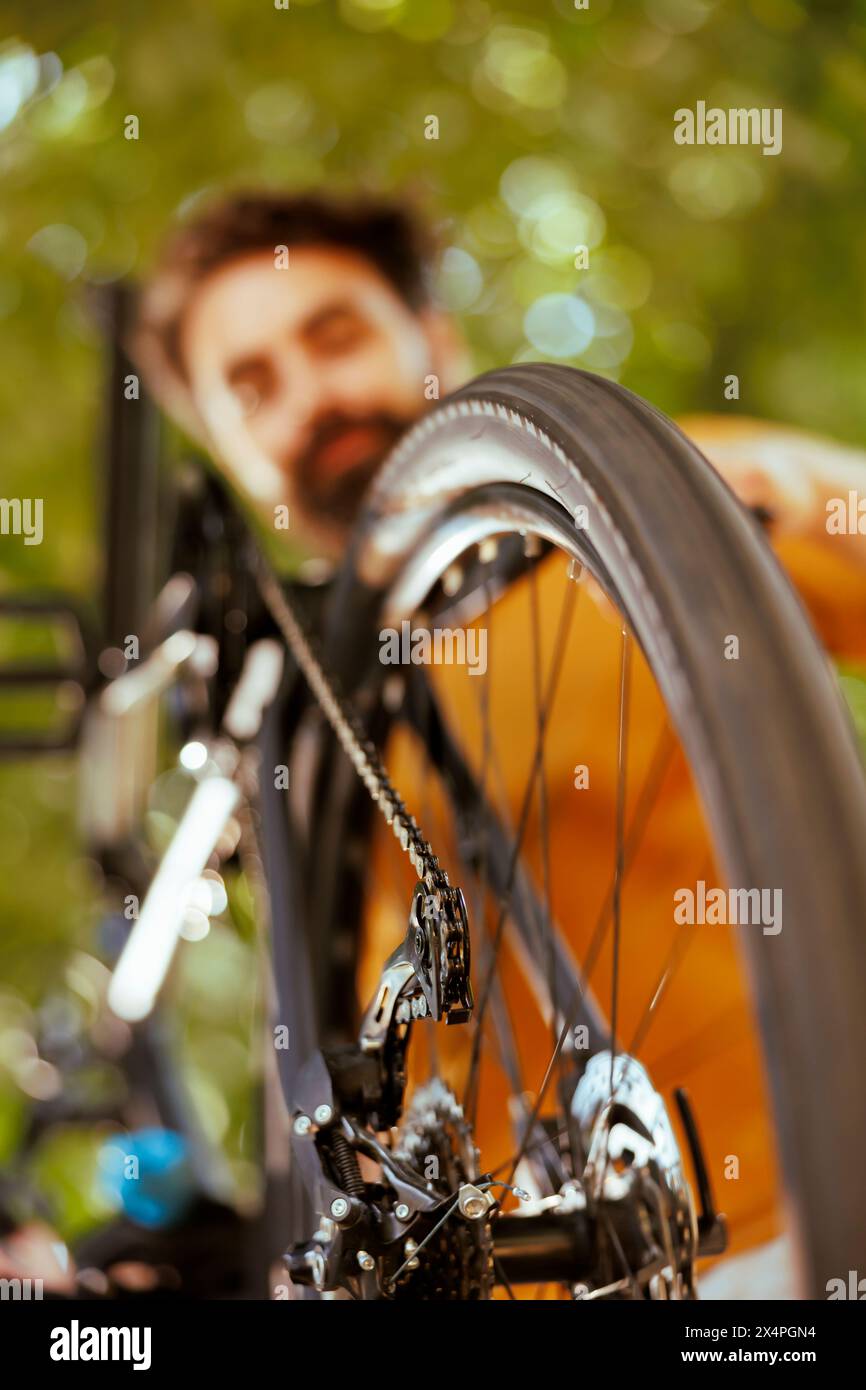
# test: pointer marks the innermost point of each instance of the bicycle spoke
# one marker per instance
(680, 945)
(509, 1163)
(621, 1255)
(504, 1031)
(621, 754)
(503, 1027)
(547, 931)
(649, 792)
(503, 1280)
(556, 943)
(650, 789)
(539, 1100)
(619, 868)
(565, 616)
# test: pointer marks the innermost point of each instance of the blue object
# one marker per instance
(147, 1174)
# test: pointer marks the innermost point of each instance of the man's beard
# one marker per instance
(330, 492)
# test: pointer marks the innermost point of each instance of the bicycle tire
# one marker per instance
(768, 739)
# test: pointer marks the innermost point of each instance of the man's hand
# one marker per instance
(789, 474)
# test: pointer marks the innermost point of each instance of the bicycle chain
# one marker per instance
(360, 749)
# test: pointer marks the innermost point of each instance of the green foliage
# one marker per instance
(555, 127)
(720, 260)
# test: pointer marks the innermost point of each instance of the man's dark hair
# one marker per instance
(388, 235)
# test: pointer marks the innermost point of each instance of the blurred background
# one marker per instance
(554, 130)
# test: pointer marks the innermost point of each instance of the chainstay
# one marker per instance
(352, 736)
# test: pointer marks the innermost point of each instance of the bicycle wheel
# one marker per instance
(522, 467)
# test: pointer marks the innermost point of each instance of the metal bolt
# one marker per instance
(323, 1114)
(366, 1261)
(339, 1208)
(303, 1124)
(474, 1207)
(473, 1203)
(316, 1262)
(402, 1211)
(409, 1249)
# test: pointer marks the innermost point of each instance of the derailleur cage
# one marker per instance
(345, 1096)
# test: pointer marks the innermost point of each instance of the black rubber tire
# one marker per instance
(768, 738)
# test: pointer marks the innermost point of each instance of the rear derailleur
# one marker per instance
(613, 1218)
(369, 1230)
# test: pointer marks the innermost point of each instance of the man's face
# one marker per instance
(305, 377)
